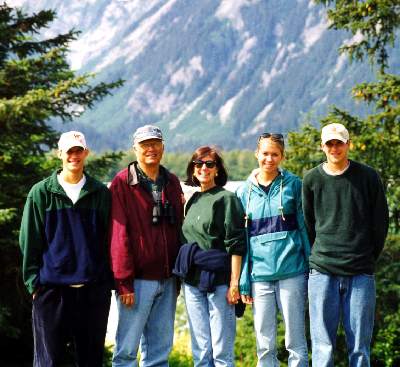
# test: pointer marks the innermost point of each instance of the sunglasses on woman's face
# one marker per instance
(199, 163)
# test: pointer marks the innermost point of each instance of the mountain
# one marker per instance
(207, 72)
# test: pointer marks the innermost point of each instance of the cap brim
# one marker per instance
(334, 137)
(139, 140)
(66, 148)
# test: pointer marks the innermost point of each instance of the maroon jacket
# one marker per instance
(140, 249)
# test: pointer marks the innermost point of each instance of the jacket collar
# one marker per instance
(133, 178)
(90, 185)
(253, 175)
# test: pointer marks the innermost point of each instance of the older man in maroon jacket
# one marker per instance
(146, 217)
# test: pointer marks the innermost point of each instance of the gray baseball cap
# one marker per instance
(147, 132)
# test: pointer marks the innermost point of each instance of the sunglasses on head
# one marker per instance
(198, 163)
(271, 135)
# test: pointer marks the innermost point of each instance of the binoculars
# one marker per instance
(165, 210)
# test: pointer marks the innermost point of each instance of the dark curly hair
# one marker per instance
(200, 153)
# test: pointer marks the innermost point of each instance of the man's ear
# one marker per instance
(59, 153)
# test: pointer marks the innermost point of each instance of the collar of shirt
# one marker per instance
(152, 187)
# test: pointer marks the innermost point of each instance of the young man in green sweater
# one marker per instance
(346, 216)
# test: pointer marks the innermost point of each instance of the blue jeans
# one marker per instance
(149, 322)
(212, 325)
(289, 296)
(351, 298)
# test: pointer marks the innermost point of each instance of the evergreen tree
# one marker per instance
(36, 85)
(376, 137)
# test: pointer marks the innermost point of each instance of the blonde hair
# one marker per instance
(275, 138)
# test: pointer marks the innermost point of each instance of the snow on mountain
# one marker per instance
(209, 71)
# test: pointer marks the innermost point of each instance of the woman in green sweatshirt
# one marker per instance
(215, 221)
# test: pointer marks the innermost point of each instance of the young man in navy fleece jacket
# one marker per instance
(63, 238)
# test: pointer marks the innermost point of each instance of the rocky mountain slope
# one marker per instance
(215, 72)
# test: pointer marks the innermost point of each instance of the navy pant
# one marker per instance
(62, 315)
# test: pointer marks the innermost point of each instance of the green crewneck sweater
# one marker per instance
(346, 217)
(215, 220)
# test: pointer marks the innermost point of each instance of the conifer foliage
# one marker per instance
(36, 85)
(375, 137)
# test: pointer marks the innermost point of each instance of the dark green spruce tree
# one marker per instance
(36, 85)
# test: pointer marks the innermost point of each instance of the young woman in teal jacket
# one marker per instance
(274, 268)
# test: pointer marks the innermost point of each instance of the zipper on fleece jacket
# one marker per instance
(268, 195)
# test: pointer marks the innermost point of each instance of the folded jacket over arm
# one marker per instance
(209, 262)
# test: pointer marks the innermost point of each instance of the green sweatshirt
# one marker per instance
(215, 220)
(346, 217)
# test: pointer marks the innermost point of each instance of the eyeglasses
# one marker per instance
(271, 135)
(199, 163)
(150, 144)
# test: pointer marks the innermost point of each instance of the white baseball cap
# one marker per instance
(71, 139)
(334, 132)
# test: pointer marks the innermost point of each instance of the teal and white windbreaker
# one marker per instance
(277, 242)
